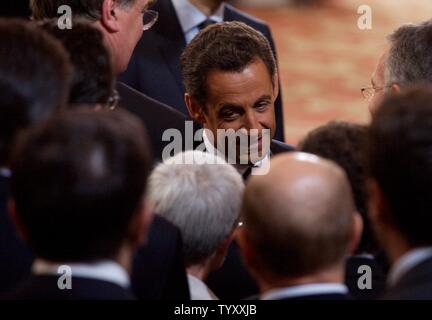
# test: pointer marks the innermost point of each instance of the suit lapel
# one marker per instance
(172, 41)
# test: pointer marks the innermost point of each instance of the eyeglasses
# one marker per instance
(369, 92)
(149, 19)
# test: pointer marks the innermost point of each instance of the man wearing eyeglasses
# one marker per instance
(406, 61)
(155, 69)
(122, 23)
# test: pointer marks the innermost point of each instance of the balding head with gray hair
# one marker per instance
(201, 194)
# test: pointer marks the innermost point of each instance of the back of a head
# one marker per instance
(409, 61)
(93, 75)
(34, 79)
(78, 180)
(88, 9)
(201, 194)
(400, 148)
(345, 143)
(299, 217)
(227, 46)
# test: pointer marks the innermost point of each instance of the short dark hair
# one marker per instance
(400, 149)
(77, 181)
(34, 79)
(227, 46)
(88, 9)
(345, 143)
(93, 75)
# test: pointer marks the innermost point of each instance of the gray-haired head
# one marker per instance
(409, 60)
(201, 194)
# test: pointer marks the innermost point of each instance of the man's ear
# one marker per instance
(245, 248)
(276, 85)
(109, 16)
(140, 225)
(195, 110)
(221, 252)
(378, 208)
(395, 88)
(13, 214)
(357, 231)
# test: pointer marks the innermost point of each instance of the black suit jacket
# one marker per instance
(416, 284)
(317, 297)
(158, 271)
(44, 287)
(233, 280)
(155, 65)
(352, 277)
(15, 257)
(156, 117)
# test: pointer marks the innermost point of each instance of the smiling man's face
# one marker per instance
(241, 101)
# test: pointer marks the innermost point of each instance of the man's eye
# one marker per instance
(229, 115)
(262, 105)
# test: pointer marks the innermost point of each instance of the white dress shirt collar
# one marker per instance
(107, 270)
(190, 17)
(305, 290)
(408, 261)
(5, 172)
(241, 168)
(198, 289)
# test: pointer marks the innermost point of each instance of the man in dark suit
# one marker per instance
(34, 83)
(400, 162)
(155, 65)
(78, 189)
(346, 144)
(231, 84)
(158, 271)
(121, 23)
(293, 243)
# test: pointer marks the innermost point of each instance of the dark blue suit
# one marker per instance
(155, 65)
(15, 257)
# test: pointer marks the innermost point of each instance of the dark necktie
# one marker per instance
(205, 23)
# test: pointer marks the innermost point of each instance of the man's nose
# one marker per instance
(252, 121)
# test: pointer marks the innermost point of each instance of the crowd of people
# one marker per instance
(88, 183)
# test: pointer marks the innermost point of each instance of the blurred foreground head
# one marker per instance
(299, 222)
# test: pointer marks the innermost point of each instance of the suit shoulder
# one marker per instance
(280, 147)
(133, 98)
(237, 15)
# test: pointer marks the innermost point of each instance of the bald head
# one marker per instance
(301, 211)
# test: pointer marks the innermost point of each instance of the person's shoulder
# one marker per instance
(131, 99)
(280, 147)
(45, 287)
(235, 14)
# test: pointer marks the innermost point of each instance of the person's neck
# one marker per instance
(395, 246)
(200, 271)
(331, 275)
(124, 258)
(208, 7)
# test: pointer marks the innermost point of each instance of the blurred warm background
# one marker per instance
(324, 58)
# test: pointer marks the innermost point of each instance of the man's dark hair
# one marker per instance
(345, 143)
(93, 75)
(88, 9)
(400, 160)
(227, 46)
(34, 79)
(78, 179)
